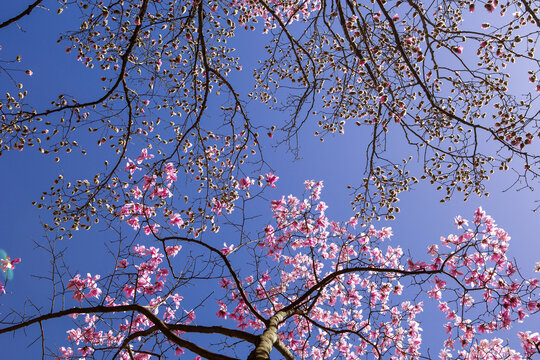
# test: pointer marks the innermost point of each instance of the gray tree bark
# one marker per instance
(269, 337)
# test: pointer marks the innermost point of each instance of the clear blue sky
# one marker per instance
(338, 161)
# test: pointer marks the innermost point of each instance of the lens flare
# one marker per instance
(7, 272)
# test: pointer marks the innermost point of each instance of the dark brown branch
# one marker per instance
(164, 328)
(429, 95)
(125, 60)
(329, 278)
(531, 11)
(229, 267)
(21, 15)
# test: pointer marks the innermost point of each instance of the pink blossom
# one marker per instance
(85, 350)
(173, 250)
(8, 264)
(75, 335)
(133, 222)
(142, 356)
(129, 291)
(66, 352)
(131, 167)
(271, 180)
(460, 222)
(224, 283)
(144, 155)
(151, 229)
(177, 299)
(149, 181)
(226, 250)
(78, 286)
(136, 192)
(529, 342)
(245, 183)
(190, 315)
(222, 313)
(139, 250)
(176, 219)
(217, 206)
(170, 172)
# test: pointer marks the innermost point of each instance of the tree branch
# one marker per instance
(21, 15)
(164, 328)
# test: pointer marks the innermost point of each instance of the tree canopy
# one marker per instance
(443, 92)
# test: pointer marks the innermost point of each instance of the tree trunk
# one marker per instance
(268, 338)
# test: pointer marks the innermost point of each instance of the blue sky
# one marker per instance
(339, 162)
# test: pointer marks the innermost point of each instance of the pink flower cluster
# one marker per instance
(344, 284)
(7, 264)
(150, 282)
(88, 335)
(303, 242)
(79, 286)
(149, 185)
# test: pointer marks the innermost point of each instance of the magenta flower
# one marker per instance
(151, 229)
(8, 264)
(271, 180)
(176, 219)
(131, 167)
(226, 250)
(245, 183)
(144, 156)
